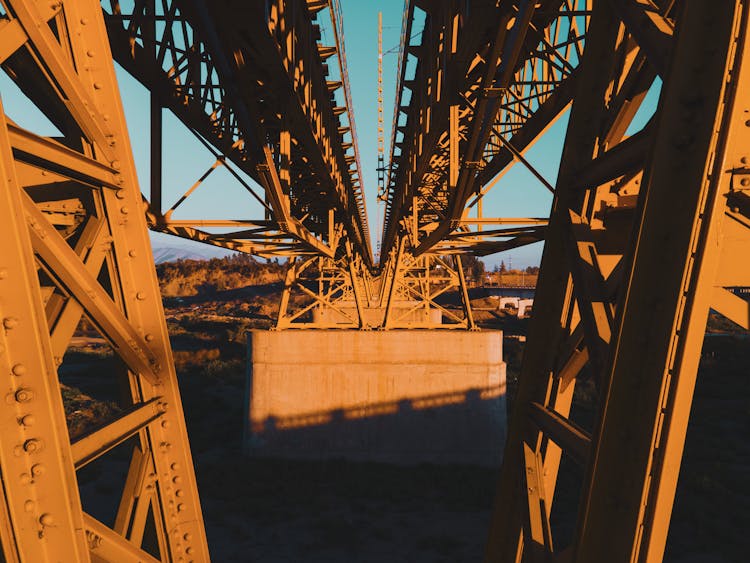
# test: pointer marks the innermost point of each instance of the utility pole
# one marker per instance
(381, 138)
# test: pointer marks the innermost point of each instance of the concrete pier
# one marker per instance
(402, 396)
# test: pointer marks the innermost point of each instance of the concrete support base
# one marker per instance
(401, 396)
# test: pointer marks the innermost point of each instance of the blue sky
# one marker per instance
(518, 194)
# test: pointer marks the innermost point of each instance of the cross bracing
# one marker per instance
(647, 232)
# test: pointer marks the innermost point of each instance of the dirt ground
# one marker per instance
(337, 511)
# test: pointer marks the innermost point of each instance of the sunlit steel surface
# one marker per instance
(647, 230)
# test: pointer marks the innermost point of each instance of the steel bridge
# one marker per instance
(647, 230)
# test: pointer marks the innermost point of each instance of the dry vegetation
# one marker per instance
(205, 277)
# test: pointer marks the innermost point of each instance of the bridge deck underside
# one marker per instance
(647, 232)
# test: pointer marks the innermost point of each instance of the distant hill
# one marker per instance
(170, 253)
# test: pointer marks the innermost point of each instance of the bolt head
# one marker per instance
(32, 445)
(24, 395)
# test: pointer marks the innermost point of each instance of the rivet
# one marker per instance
(105, 117)
(97, 86)
(124, 210)
(176, 479)
(28, 420)
(140, 296)
(743, 160)
(3, 273)
(180, 507)
(24, 395)
(165, 424)
(46, 519)
(37, 469)
(10, 322)
(116, 164)
(179, 493)
(745, 181)
(119, 194)
(90, 53)
(32, 445)
(188, 550)
(84, 21)
(19, 369)
(28, 506)
(149, 337)
(747, 123)
(175, 466)
(188, 536)
(132, 254)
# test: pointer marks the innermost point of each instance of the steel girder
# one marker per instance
(490, 78)
(250, 79)
(323, 293)
(646, 235)
(76, 245)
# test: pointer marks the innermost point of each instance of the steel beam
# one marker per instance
(84, 238)
(616, 227)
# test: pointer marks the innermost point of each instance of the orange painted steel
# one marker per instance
(633, 203)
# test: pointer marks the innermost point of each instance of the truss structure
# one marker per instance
(326, 294)
(646, 225)
(488, 80)
(251, 80)
(333, 294)
(643, 240)
(412, 286)
(76, 246)
(647, 232)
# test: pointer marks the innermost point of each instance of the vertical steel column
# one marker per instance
(109, 276)
(701, 138)
(40, 515)
(629, 301)
(552, 304)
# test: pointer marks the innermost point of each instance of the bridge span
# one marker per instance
(647, 231)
